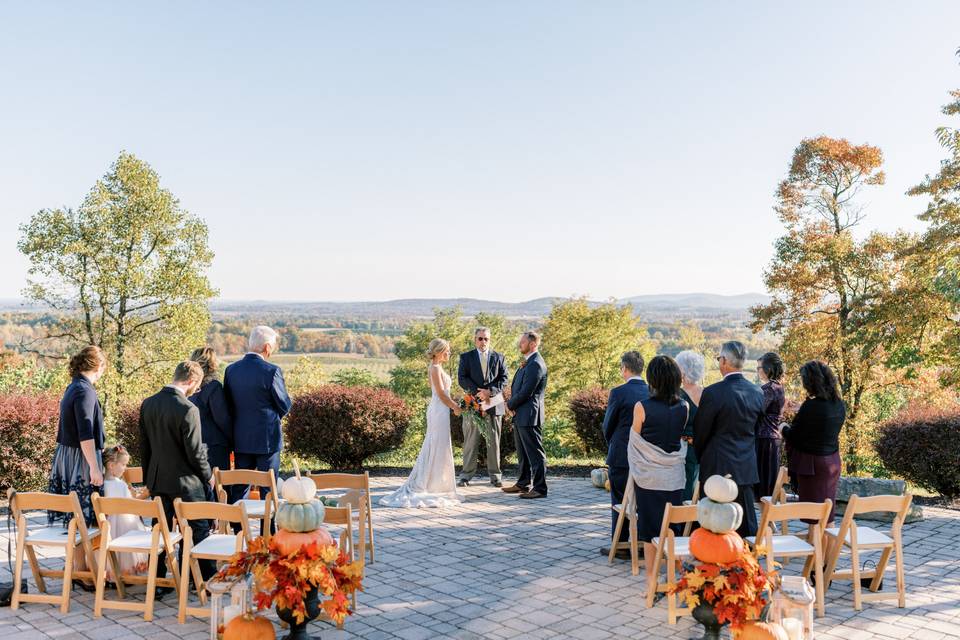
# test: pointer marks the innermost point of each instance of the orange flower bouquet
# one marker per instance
(283, 579)
(738, 591)
(471, 405)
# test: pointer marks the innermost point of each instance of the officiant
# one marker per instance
(483, 374)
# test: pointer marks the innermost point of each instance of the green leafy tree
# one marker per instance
(305, 375)
(355, 377)
(582, 345)
(128, 271)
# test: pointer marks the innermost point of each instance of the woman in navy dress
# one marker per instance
(657, 452)
(77, 464)
(769, 442)
(216, 424)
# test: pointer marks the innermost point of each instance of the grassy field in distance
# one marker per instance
(333, 362)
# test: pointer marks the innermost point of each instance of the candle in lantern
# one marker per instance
(793, 627)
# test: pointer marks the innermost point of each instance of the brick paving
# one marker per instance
(500, 567)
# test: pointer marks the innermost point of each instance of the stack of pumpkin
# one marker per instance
(717, 542)
(300, 517)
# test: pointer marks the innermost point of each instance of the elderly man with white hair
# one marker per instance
(258, 400)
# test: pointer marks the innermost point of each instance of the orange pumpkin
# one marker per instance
(762, 631)
(290, 541)
(249, 627)
(716, 548)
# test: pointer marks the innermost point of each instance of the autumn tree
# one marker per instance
(935, 260)
(833, 294)
(128, 272)
(582, 345)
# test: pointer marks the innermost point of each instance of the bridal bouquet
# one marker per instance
(470, 405)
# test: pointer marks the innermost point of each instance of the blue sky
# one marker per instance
(497, 149)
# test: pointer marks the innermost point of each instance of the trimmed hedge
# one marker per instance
(128, 430)
(343, 426)
(588, 407)
(28, 436)
(508, 445)
(922, 445)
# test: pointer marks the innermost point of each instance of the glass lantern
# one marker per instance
(792, 607)
(229, 598)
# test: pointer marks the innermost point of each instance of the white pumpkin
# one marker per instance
(719, 517)
(598, 477)
(298, 490)
(720, 489)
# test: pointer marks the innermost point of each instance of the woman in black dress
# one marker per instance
(769, 443)
(813, 439)
(656, 452)
(77, 464)
(215, 421)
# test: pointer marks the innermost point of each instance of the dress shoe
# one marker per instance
(513, 489)
(162, 591)
(622, 554)
(463, 483)
(532, 495)
(497, 484)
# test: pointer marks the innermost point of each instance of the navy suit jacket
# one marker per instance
(81, 417)
(215, 418)
(725, 427)
(470, 375)
(527, 391)
(618, 419)
(258, 400)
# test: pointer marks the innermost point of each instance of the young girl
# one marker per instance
(115, 461)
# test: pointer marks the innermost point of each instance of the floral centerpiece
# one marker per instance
(283, 579)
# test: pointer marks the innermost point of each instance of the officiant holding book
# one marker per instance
(482, 373)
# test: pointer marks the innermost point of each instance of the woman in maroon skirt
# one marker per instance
(813, 439)
(769, 444)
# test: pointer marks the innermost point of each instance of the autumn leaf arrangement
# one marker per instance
(281, 579)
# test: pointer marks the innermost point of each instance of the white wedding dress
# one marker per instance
(433, 481)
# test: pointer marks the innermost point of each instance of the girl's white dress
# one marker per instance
(130, 563)
(433, 481)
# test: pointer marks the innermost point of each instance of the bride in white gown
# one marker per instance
(433, 483)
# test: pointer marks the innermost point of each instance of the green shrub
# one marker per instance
(588, 407)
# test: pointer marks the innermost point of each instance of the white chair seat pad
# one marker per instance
(865, 535)
(786, 544)
(681, 546)
(57, 535)
(140, 540)
(255, 508)
(220, 544)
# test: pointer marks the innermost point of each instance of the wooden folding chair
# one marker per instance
(671, 547)
(791, 546)
(627, 510)
(859, 538)
(695, 498)
(133, 476)
(343, 517)
(262, 510)
(358, 494)
(218, 546)
(779, 496)
(74, 537)
(152, 543)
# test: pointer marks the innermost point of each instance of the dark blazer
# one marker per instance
(618, 419)
(171, 451)
(527, 391)
(81, 417)
(816, 427)
(258, 400)
(470, 375)
(215, 418)
(725, 427)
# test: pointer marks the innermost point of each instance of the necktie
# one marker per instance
(483, 364)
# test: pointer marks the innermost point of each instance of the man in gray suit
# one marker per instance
(526, 405)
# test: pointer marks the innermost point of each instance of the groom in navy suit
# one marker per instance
(617, 422)
(257, 397)
(526, 405)
(483, 374)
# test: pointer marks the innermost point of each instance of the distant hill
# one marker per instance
(699, 301)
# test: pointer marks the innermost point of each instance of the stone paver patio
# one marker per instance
(500, 567)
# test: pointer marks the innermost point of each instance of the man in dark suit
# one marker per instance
(527, 408)
(483, 374)
(172, 452)
(725, 427)
(258, 399)
(617, 422)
